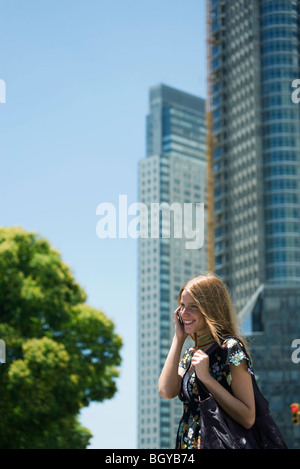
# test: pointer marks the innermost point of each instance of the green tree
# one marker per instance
(61, 353)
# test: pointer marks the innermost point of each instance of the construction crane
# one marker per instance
(209, 145)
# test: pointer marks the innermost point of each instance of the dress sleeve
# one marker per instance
(186, 359)
(236, 353)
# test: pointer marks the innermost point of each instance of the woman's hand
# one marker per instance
(179, 327)
(200, 361)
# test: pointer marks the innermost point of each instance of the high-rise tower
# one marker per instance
(254, 48)
(254, 58)
(173, 172)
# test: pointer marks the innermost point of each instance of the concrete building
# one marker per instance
(173, 173)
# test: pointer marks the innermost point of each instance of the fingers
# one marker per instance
(198, 356)
(199, 353)
(200, 363)
(177, 314)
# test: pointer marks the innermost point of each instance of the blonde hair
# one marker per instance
(213, 300)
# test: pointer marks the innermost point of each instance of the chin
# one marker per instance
(189, 331)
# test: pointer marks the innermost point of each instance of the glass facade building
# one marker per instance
(254, 58)
(280, 121)
(173, 172)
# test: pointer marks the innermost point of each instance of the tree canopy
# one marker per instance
(61, 353)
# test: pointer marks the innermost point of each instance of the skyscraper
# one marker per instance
(254, 58)
(173, 173)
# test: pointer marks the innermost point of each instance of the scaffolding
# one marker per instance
(209, 145)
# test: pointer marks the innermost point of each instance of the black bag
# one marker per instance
(220, 431)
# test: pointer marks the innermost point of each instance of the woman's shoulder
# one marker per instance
(230, 342)
(235, 352)
(186, 358)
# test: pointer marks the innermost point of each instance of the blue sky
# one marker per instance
(72, 131)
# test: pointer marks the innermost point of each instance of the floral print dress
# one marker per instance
(232, 352)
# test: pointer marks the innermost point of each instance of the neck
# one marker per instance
(203, 341)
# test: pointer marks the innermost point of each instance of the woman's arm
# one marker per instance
(241, 405)
(169, 382)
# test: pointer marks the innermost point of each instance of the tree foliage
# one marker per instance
(61, 353)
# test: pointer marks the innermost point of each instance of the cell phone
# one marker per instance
(179, 317)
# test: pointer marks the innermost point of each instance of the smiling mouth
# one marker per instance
(187, 323)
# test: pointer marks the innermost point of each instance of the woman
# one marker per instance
(206, 314)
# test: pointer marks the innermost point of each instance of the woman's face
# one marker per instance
(193, 319)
